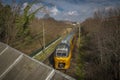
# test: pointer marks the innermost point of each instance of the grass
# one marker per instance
(45, 53)
(80, 65)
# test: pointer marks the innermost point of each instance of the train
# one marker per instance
(63, 52)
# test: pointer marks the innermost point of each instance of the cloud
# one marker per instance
(54, 10)
(72, 13)
(109, 7)
(24, 5)
(35, 7)
(74, 10)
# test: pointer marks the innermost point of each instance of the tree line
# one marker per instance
(101, 35)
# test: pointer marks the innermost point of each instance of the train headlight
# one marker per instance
(61, 65)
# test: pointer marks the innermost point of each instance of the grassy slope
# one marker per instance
(43, 55)
(53, 29)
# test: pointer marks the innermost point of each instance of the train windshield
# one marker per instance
(61, 53)
(62, 50)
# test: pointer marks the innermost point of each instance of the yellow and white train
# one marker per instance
(63, 52)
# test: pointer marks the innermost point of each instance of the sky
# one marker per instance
(72, 10)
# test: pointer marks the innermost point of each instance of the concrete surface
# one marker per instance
(15, 65)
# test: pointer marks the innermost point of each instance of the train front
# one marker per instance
(62, 57)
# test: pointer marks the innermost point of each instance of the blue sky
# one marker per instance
(72, 10)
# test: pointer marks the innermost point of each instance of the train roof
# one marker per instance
(62, 45)
(68, 37)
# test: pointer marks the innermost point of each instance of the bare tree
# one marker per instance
(104, 33)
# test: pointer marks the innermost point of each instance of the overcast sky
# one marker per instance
(73, 10)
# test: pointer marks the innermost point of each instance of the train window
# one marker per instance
(61, 54)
